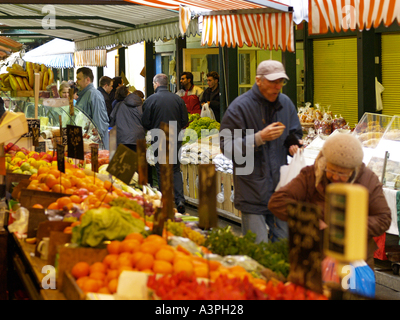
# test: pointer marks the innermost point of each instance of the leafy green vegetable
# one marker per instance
(103, 224)
(125, 202)
(203, 127)
(272, 255)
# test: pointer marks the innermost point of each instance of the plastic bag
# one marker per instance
(363, 279)
(291, 170)
(329, 273)
(206, 111)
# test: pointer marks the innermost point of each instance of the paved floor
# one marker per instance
(387, 284)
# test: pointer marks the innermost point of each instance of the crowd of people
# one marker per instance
(275, 133)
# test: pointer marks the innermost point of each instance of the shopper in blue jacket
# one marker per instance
(266, 119)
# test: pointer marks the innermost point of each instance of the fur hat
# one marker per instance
(343, 150)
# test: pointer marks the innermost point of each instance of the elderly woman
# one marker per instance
(340, 160)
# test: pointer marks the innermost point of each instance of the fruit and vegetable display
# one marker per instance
(199, 124)
(19, 79)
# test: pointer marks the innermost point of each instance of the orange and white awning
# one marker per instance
(264, 30)
(338, 15)
(232, 22)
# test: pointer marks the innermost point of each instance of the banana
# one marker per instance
(16, 72)
(16, 66)
(41, 80)
(43, 68)
(3, 76)
(31, 76)
(14, 83)
(51, 75)
(45, 80)
(26, 83)
(21, 83)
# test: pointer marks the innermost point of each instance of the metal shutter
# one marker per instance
(391, 74)
(335, 77)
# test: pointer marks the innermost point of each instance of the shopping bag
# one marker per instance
(329, 272)
(206, 111)
(289, 171)
(362, 280)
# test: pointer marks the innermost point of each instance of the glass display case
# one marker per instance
(370, 130)
(385, 161)
(50, 118)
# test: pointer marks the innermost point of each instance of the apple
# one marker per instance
(20, 163)
(83, 192)
(25, 166)
(41, 154)
(21, 155)
(11, 153)
(24, 150)
(17, 171)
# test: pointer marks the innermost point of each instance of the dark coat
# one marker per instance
(127, 116)
(254, 188)
(107, 100)
(164, 106)
(213, 97)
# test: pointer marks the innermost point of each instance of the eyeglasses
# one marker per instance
(340, 175)
(279, 82)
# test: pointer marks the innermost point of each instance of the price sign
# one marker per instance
(32, 123)
(123, 164)
(94, 148)
(305, 252)
(207, 197)
(75, 142)
(41, 147)
(60, 158)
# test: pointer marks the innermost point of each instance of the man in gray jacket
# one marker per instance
(254, 134)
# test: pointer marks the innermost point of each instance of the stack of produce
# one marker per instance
(19, 79)
(209, 127)
(103, 156)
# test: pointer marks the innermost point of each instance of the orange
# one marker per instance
(165, 255)
(183, 266)
(80, 184)
(81, 281)
(33, 176)
(113, 285)
(73, 180)
(90, 285)
(58, 188)
(135, 257)
(53, 205)
(37, 205)
(181, 256)
(104, 290)
(43, 170)
(155, 238)
(91, 187)
(201, 271)
(54, 172)
(97, 275)
(79, 173)
(145, 262)
(50, 180)
(109, 259)
(99, 193)
(124, 261)
(75, 198)
(107, 185)
(114, 247)
(150, 247)
(130, 245)
(162, 267)
(107, 198)
(98, 267)
(63, 201)
(43, 187)
(66, 183)
(213, 265)
(137, 236)
(81, 269)
(112, 274)
(69, 191)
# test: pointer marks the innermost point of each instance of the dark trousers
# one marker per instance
(178, 182)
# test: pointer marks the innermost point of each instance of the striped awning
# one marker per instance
(90, 58)
(338, 15)
(263, 30)
(233, 23)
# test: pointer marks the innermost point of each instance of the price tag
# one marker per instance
(95, 157)
(41, 147)
(305, 252)
(123, 164)
(142, 162)
(35, 136)
(75, 142)
(60, 158)
(32, 123)
(207, 197)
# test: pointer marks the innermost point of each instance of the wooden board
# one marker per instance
(23, 184)
(31, 197)
(44, 229)
(191, 178)
(70, 288)
(57, 238)
(36, 216)
(14, 177)
(68, 257)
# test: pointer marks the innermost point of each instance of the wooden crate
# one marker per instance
(191, 180)
(30, 197)
(185, 177)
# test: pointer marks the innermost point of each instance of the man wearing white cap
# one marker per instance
(270, 130)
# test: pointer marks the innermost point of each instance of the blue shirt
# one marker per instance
(92, 103)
